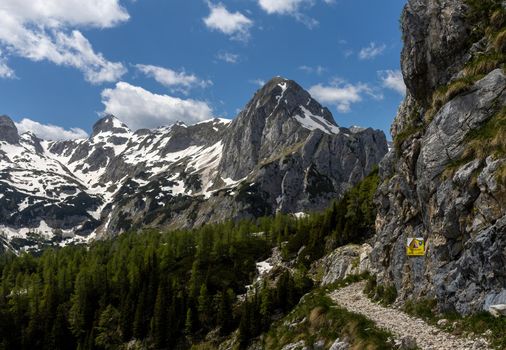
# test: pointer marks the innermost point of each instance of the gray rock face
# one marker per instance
(284, 152)
(267, 125)
(435, 36)
(432, 187)
(8, 131)
(343, 262)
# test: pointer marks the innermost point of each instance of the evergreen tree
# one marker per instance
(108, 332)
(160, 317)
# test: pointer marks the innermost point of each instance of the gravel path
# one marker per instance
(400, 324)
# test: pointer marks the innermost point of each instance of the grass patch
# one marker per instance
(347, 281)
(498, 18)
(478, 324)
(484, 64)
(425, 308)
(446, 93)
(453, 166)
(385, 294)
(501, 175)
(317, 318)
(406, 134)
(500, 41)
(489, 139)
(481, 14)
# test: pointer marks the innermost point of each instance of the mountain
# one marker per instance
(445, 179)
(283, 152)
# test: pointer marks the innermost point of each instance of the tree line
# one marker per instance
(168, 290)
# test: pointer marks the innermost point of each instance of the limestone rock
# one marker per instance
(432, 187)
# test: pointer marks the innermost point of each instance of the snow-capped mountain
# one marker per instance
(283, 152)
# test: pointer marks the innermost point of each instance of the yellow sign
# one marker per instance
(415, 247)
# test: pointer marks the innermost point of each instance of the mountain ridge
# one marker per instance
(284, 152)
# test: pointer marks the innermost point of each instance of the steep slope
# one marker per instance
(284, 152)
(445, 178)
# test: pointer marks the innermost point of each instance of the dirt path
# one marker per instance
(400, 324)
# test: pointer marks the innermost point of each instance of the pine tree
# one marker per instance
(108, 332)
(204, 305)
(160, 321)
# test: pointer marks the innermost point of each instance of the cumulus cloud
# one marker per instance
(371, 51)
(282, 7)
(47, 30)
(139, 108)
(342, 94)
(234, 24)
(392, 79)
(50, 132)
(291, 8)
(228, 57)
(178, 81)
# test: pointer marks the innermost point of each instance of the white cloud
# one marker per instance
(139, 108)
(259, 82)
(46, 30)
(291, 8)
(283, 7)
(50, 132)
(371, 51)
(57, 13)
(179, 81)
(342, 95)
(228, 57)
(6, 72)
(234, 24)
(392, 79)
(318, 70)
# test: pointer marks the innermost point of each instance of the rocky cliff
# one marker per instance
(284, 152)
(445, 178)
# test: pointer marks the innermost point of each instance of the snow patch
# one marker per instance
(314, 122)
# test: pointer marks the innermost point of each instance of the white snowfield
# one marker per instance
(57, 171)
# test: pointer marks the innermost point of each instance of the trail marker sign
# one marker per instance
(415, 247)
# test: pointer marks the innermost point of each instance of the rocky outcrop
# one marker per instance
(435, 35)
(343, 262)
(443, 180)
(8, 130)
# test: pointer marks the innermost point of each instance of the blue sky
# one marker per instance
(63, 63)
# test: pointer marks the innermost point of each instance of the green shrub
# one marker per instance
(423, 308)
(385, 294)
(498, 18)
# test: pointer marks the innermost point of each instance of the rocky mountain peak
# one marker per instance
(8, 130)
(109, 124)
(282, 97)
